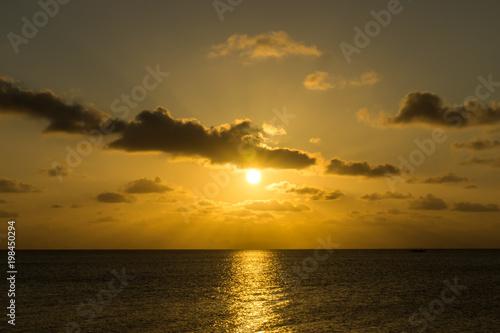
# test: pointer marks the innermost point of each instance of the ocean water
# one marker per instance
(258, 291)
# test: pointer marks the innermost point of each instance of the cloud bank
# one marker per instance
(239, 143)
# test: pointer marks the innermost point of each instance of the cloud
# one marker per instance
(477, 144)
(320, 80)
(386, 195)
(56, 206)
(366, 79)
(316, 141)
(44, 104)
(15, 186)
(274, 44)
(470, 187)
(145, 185)
(5, 214)
(56, 171)
(105, 219)
(427, 108)
(240, 143)
(441, 179)
(428, 202)
(274, 205)
(493, 162)
(2, 201)
(114, 197)
(310, 192)
(355, 168)
(474, 207)
(273, 130)
(363, 115)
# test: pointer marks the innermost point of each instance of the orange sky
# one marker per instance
(134, 126)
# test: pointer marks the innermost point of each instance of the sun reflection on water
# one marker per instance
(256, 291)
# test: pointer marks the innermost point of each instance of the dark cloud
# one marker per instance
(44, 104)
(355, 168)
(474, 207)
(470, 187)
(5, 214)
(386, 195)
(429, 109)
(477, 144)
(240, 143)
(493, 162)
(3, 201)
(440, 179)
(145, 185)
(56, 206)
(59, 170)
(15, 186)
(274, 205)
(114, 197)
(428, 202)
(310, 192)
(105, 219)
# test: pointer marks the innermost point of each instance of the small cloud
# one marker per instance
(145, 185)
(363, 115)
(59, 170)
(165, 200)
(477, 144)
(386, 195)
(3, 201)
(441, 179)
(337, 166)
(274, 44)
(428, 202)
(274, 205)
(114, 197)
(105, 219)
(493, 162)
(470, 187)
(474, 207)
(366, 79)
(310, 192)
(316, 140)
(5, 214)
(320, 80)
(15, 186)
(56, 206)
(272, 130)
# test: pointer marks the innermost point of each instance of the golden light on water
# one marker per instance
(257, 291)
(253, 176)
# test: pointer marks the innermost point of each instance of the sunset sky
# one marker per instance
(133, 125)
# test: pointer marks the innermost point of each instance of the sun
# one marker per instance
(253, 176)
